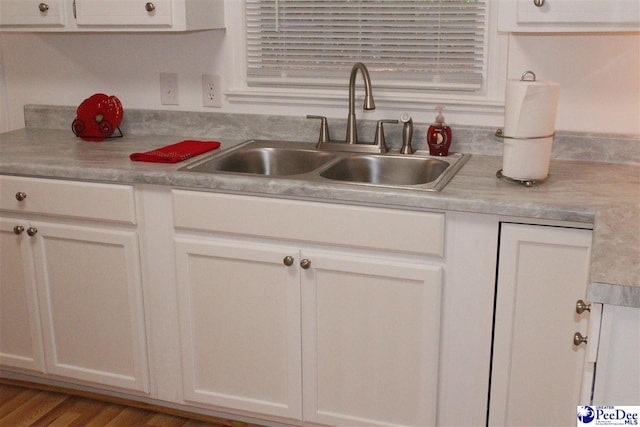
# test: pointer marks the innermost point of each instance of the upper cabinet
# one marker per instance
(111, 15)
(568, 15)
(46, 16)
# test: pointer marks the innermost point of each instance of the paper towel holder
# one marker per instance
(525, 182)
(528, 76)
(500, 134)
(541, 148)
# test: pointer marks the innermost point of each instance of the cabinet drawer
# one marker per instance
(372, 228)
(68, 198)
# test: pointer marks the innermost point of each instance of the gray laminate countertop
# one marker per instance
(606, 195)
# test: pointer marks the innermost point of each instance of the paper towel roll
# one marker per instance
(527, 159)
(530, 108)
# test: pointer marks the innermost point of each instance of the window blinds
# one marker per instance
(406, 44)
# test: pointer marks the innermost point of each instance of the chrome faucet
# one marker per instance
(369, 104)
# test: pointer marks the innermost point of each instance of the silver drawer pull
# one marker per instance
(18, 229)
(305, 264)
(43, 7)
(149, 7)
(21, 195)
(288, 261)
(539, 3)
(582, 306)
(31, 231)
(578, 338)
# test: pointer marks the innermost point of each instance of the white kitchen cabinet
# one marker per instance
(43, 15)
(111, 15)
(371, 340)
(20, 331)
(124, 12)
(259, 316)
(239, 311)
(617, 380)
(78, 246)
(90, 296)
(568, 15)
(537, 371)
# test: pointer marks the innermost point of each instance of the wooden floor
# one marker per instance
(26, 404)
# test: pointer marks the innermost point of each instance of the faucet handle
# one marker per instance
(324, 128)
(380, 141)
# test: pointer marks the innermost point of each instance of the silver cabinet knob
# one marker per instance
(305, 264)
(21, 195)
(43, 7)
(149, 7)
(582, 306)
(31, 231)
(288, 261)
(539, 3)
(578, 338)
(18, 229)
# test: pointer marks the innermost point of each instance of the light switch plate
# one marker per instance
(169, 89)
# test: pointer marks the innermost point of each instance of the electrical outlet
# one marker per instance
(211, 91)
(168, 88)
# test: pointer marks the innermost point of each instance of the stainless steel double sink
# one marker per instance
(302, 161)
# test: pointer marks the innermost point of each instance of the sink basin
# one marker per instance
(266, 161)
(382, 170)
(302, 161)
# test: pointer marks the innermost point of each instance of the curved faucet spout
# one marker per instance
(369, 103)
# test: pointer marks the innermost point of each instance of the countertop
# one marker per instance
(606, 195)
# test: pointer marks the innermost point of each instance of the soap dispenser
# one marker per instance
(439, 136)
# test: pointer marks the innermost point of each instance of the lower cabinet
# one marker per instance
(239, 316)
(70, 283)
(20, 328)
(617, 379)
(258, 321)
(91, 304)
(72, 303)
(299, 311)
(537, 370)
(371, 340)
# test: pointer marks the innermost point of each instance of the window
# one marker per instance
(431, 46)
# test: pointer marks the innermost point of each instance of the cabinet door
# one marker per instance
(20, 333)
(90, 295)
(124, 12)
(37, 13)
(579, 12)
(370, 340)
(569, 15)
(618, 374)
(537, 371)
(239, 311)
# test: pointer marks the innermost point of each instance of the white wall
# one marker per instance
(599, 75)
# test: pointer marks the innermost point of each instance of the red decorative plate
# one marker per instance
(97, 117)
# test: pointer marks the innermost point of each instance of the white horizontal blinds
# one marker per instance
(406, 44)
